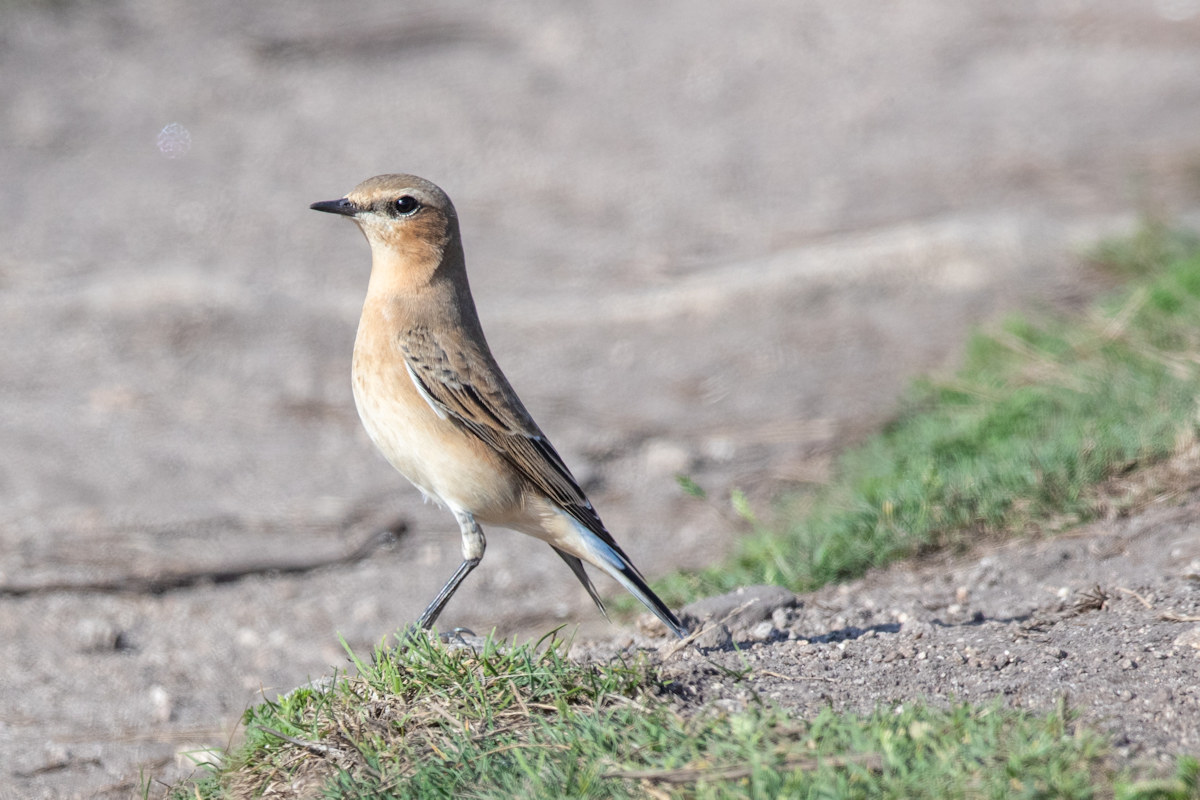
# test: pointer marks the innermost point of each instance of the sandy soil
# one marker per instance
(706, 239)
(1105, 618)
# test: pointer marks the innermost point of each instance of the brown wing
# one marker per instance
(467, 387)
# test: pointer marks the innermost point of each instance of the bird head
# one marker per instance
(403, 217)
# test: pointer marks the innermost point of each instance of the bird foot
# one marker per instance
(455, 638)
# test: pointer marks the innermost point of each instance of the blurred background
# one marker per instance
(705, 239)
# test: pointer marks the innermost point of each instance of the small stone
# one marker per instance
(96, 635)
(160, 703)
(730, 705)
(663, 457)
(650, 625)
(762, 632)
(1189, 638)
(741, 608)
(55, 755)
(715, 637)
(675, 670)
(917, 629)
(1128, 664)
(719, 448)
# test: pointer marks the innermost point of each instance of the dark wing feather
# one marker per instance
(467, 387)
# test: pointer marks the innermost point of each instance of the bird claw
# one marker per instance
(456, 635)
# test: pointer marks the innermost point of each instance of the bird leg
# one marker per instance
(473, 545)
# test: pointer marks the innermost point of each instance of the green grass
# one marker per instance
(523, 721)
(1145, 252)
(1036, 418)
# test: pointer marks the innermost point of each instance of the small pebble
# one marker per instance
(763, 631)
(93, 635)
(715, 637)
(780, 618)
(730, 705)
(160, 702)
(1189, 638)
(663, 457)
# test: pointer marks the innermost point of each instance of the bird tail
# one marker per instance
(576, 566)
(610, 559)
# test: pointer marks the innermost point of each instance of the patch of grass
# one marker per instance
(1144, 253)
(1185, 785)
(523, 721)
(1038, 415)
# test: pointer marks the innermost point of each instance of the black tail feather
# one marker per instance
(629, 577)
(576, 566)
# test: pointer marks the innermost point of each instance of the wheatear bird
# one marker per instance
(435, 402)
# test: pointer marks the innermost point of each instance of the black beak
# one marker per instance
(343, 207)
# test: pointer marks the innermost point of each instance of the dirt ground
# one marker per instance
(1105, 618)
(704, 239)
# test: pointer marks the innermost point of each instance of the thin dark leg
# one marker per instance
(473, 545)
(431, 612)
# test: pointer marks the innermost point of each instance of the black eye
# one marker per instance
(405, 205)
